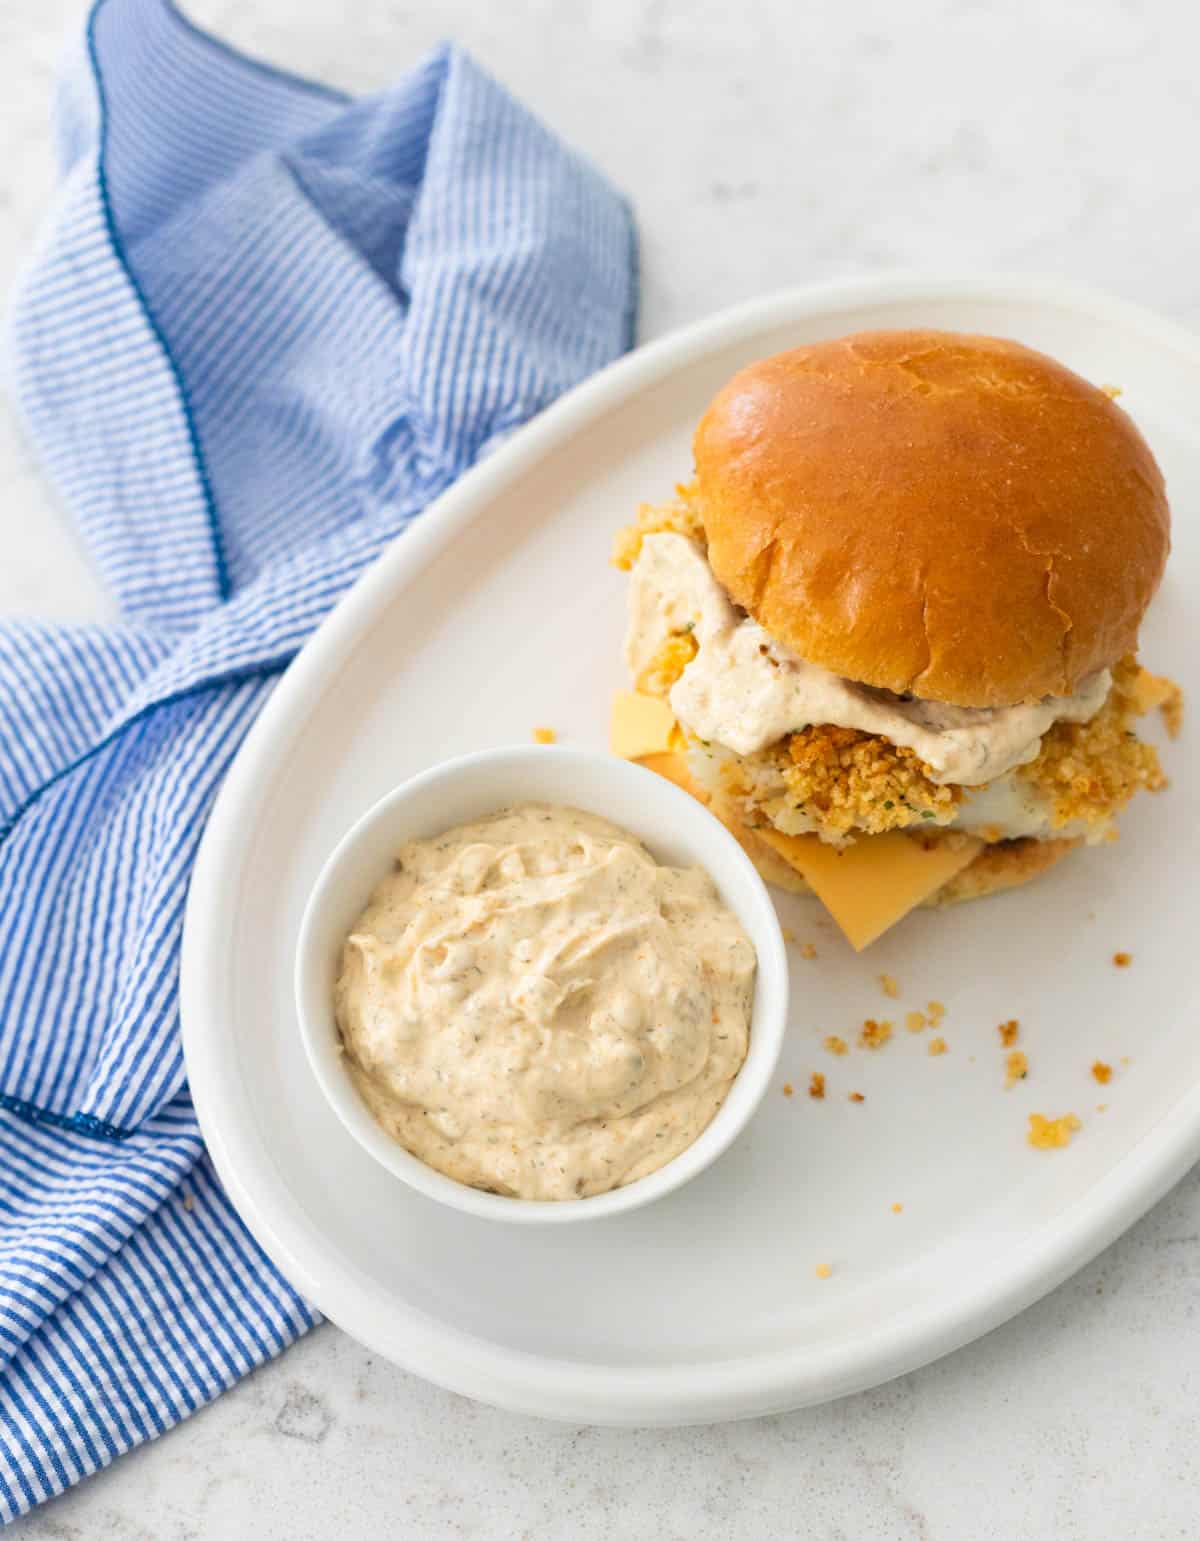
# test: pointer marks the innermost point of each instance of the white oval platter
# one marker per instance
(497, 612)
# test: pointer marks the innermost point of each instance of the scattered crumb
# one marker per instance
(816, 1085)
(915, 1021)
(823, 1270)
(545, 736)
(1172, 713)
(889, 986)
(189, 1203)
(896, 1208)
(788, 1088)
(837, 1045)
(1016, 1068)
(1112, 391)
(1051, 1133)
(1122, 959)
(1008, 1032)
(807, 950)
(936, 1011)
(788, 934)
(857, 1097)
(937, 1046)
(1102, 1072)
(1102, 1107)
(874, 1034)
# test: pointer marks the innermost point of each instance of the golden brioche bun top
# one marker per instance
(958, 517)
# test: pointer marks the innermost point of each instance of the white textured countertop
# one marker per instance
(764, 144)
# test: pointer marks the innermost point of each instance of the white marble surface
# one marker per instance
(764, 144)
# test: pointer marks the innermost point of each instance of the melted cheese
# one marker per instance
(773, 868)
(869, 886)
(673, 767)
(640, 726)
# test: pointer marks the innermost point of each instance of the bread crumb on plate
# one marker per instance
(937, 1046)
(545, 736)
(1051, 1133)
(816, 1085)
(1016, 1068)
(874, 1035)
(823, 1270)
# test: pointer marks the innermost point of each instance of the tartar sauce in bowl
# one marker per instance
(532, 1005)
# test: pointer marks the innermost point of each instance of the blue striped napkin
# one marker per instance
(266, 326)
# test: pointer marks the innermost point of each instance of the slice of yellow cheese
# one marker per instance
(674, 768)
(640, 726)
(771, 867)
(870, 885)
(867, 887)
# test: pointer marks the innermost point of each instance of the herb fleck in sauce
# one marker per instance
(532, 1005)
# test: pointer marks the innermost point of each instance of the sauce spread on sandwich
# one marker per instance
(744, 690)
(531, 1004)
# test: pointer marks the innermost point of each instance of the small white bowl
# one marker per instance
(675, 828)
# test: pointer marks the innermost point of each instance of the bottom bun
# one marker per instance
(1007, 864)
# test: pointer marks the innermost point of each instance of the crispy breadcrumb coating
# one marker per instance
(668, 663)
(847, 780)
(681, 517)
(1090, 769)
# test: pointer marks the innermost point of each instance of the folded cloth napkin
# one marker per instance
(267, 325)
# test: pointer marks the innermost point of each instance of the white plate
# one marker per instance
(498, 612)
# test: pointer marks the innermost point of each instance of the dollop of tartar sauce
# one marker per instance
(531, 1004)
(745, 690)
